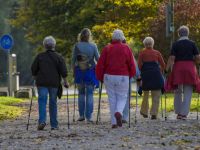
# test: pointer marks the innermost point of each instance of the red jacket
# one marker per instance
(116, 59)
(147, 55)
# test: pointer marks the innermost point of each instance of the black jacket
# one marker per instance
(152, 78)
(48, 68)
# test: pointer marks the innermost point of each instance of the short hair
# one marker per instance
(183, 31)
(118, 35)
(49, 43)
(148, 42)
(85, 35)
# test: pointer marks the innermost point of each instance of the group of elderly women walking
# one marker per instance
(116, 66)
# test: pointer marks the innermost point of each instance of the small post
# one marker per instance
(10, 91)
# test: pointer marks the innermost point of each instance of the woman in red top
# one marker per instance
(151, 64)
(115, 66)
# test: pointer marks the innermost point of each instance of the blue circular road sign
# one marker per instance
(6, 42)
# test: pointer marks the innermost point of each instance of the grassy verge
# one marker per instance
(169, 102)
(7, 111)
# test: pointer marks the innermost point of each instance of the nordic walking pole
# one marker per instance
(99, 105)
(136, 107)
(165, 77)
(74, 102)
(198, 107)
(161, 106)
(29, 114)
(198, 101)
(68, 123)
(165, 107)
(129, 104)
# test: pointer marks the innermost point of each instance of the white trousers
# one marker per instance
(182, 99)
(117, 90)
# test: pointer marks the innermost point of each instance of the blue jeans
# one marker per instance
(85, 100)
(42, 102)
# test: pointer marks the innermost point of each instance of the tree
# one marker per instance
(64, 20)
(186, 12)
(21, 46)
(133, 17)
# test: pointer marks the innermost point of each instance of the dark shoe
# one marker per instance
(184, 117)
(153, 117)
(179, 116)
(145, 116)
(118, 117)
(140, 91)
(114, 126)
(81, 119)
(54, 128)
(41, 126)
(124, 121)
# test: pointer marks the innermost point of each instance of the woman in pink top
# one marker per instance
(115, 67)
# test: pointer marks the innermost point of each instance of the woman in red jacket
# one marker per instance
(115, 67)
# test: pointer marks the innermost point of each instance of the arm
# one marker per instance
(170, 62)
(35, 66)
(171, 59)
(96, 53)
(137, 69)
(63, 68)
(100, 67)
(140, 61)
(161, 62)
(74, 55)
(63, 71)
(197, 59)
(132, 66)
(196, 54)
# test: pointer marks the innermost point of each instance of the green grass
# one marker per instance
(7, 108)
(169, 102)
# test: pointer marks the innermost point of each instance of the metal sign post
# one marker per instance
(6, 43)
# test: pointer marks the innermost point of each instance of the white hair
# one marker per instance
(49, 43)
(118, 35)
(148, 42)
(183, 31)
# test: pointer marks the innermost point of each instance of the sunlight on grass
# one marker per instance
(169, 102)
(7, 111)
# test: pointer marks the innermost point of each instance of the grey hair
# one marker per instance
(148, 42)
(118, 35)
(49, 43)
(183, 31)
